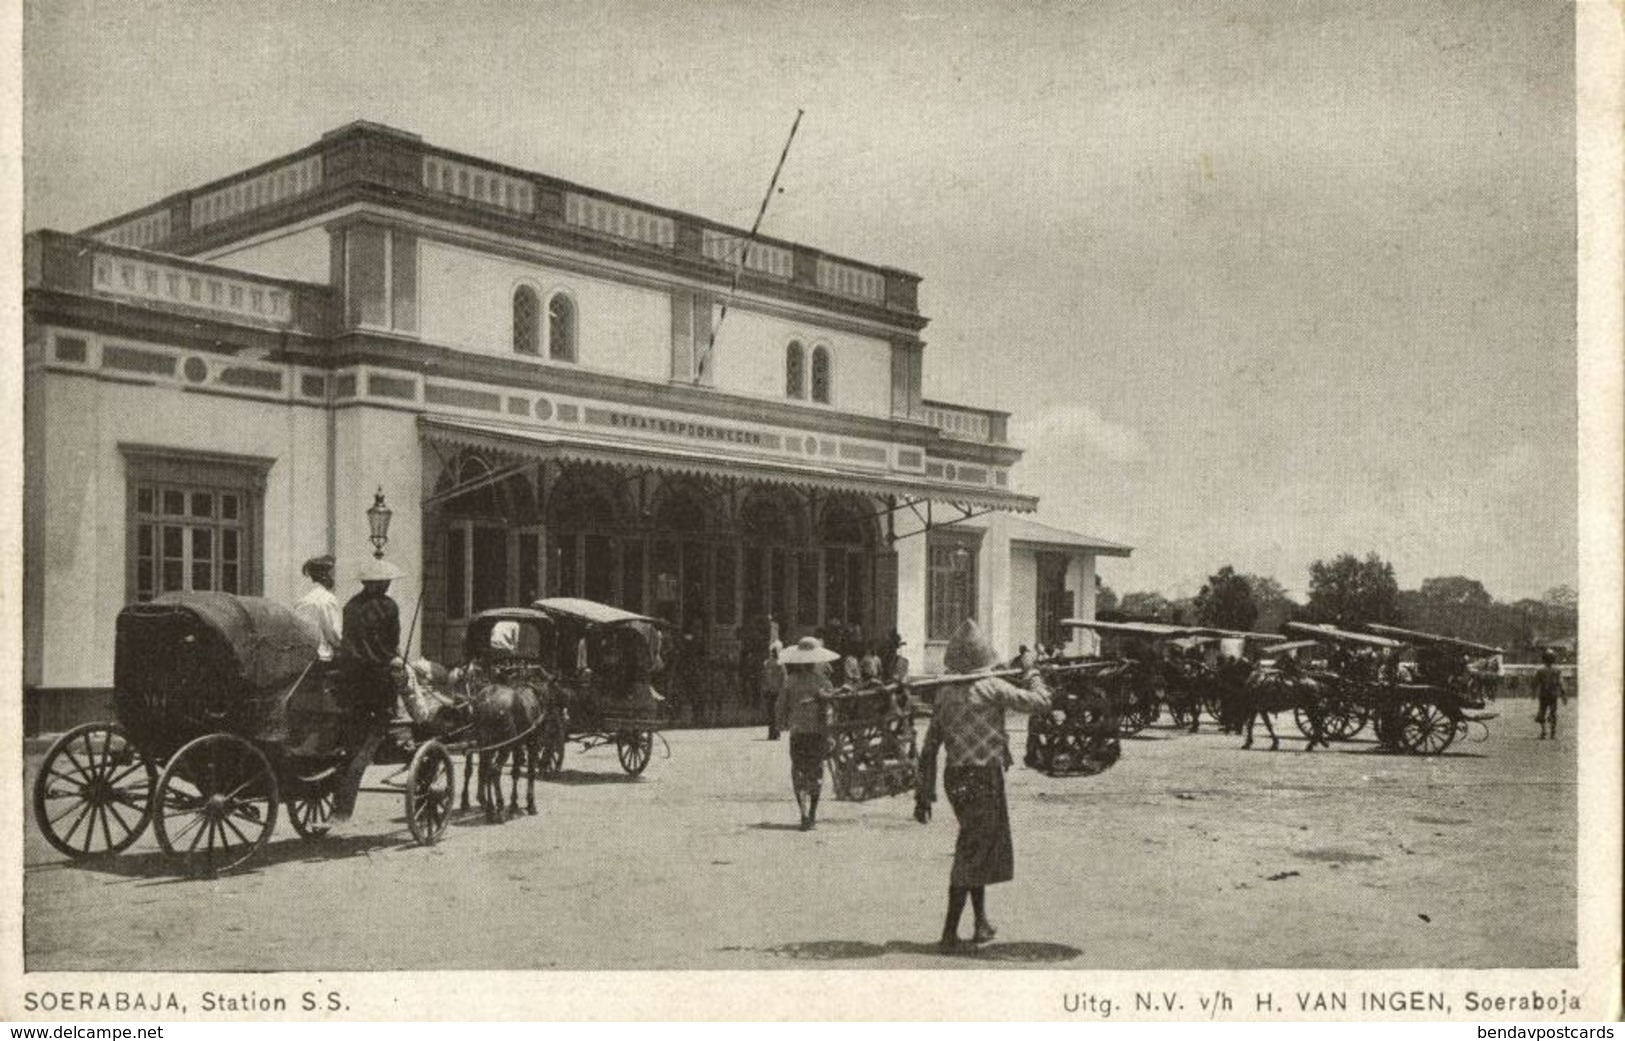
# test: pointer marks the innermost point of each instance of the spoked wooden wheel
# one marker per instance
(1344, 718)
(310, 808)
(634, 748)
(431, 784)
(1131, 715)
(93, 791)
(1426, 728)
(216, 804)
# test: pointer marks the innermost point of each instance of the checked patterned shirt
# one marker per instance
(969, 718)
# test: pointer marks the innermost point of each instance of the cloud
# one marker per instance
(1083, 427)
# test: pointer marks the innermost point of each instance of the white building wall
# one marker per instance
(85, 510)
(993, 587)
(465, 300)
(911, 568)
(378, 448)
(1023, 597)
(750, 355)
(305, 255)
(1080, 579)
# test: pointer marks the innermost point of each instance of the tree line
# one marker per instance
(1349, 591)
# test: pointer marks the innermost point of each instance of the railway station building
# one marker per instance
(538, 377)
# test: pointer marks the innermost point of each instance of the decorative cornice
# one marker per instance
(377, 163)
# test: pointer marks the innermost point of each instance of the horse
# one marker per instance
(507, 721)
(1271, 690)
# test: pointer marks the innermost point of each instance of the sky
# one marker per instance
(1259, 283)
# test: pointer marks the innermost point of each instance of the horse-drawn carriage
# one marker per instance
(605, 661)
(1153, 665)
(223, 716)
(1364, 683)
(1471, 669)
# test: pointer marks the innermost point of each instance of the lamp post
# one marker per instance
(378, 516)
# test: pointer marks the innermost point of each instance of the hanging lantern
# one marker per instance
(378, 516)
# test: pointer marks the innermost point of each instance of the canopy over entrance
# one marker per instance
(525, 445)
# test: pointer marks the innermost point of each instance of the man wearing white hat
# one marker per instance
(804, 711)
(372, 640)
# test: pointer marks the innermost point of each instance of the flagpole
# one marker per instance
(744, 251)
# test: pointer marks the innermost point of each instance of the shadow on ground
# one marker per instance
(581, 777)
(1025, 952)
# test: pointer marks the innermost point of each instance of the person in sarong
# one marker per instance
(804, 710)
(968, 721)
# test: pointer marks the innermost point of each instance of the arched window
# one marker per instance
(561, 328)
(820, 375)
(527, 337)
(795, 370)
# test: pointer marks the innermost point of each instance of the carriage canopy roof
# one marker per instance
(1152, 630)
(1329, 632)
(270, 644)
(1412, 636)
(590, 612)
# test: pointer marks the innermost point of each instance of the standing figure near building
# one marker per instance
(869, 665)
(371, 651)
(893, 666)
(691, 671)
(753, 638)
(319, 608)
(969, 720)
(804, 710)
(1548, 688)
(372, 640)
(772, 683)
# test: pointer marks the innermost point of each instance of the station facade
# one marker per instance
(559, 392)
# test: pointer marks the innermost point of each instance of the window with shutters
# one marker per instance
(795, 370)
(527, 330)
(820, 374)
(193, 522)
(561, 327)
(950, 583)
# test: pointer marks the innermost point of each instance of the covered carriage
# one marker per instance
(1363, 672)
(606, 662)
(223, 715)
(1149, 668)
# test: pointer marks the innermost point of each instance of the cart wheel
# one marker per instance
(217, 804)
(1426, 729)
(310, 810)
(1130, 719)
(635, 748)
(1344, 719)
(431, 784)
(553, 741)
(93, 791)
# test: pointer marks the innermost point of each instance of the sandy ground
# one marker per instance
(1190, 853)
